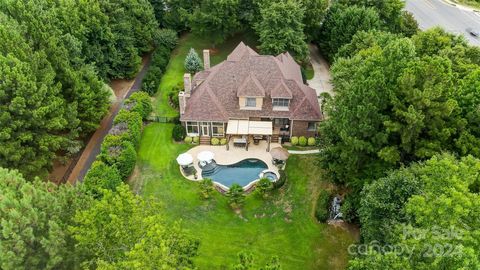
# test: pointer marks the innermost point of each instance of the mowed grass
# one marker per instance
(282, 225)
(175, 69)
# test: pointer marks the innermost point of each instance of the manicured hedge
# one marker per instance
(311, 141)
(302, 141)
(294, 140)
(215, 141)
(132, 124)
(139, 102)
(101, 176)
(120, 154)
(165, 42)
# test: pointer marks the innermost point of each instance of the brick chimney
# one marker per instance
(206, 59)
(182, 102)
(187, 84)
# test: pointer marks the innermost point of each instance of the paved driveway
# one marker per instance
(321, 80)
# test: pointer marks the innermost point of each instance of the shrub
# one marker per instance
(311, 141)
(139, 102)
(193, 63)
(119, 153)
(151, 82)
(302, 141)
(206, 188)
(133, 122)
(159, 62)
(263, 186)
(321, 210)
(215, 141)
(235, 196)
(188, 139)
(281, 180)
(100, 177)
(173, 95)
(167, 38)
(178, 132)
(294, 140)
(348, 208)
(223, 141)
(196, 139)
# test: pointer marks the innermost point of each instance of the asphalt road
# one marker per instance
(431, 13)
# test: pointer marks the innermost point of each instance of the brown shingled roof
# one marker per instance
(250, 87)
(246, 73)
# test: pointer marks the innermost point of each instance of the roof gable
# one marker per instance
(281, 91)
(251, 87)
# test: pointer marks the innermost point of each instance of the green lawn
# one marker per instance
(283, 225)
(175, 70)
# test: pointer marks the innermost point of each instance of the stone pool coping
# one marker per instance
(233, 155)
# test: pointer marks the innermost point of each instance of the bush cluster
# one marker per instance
(303, 141)
(139, 102)
(321, 210)
(215, 141)
(165, 41)
(118, 157)
(179, 132)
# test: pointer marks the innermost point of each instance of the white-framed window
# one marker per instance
(280, 102)
(218, 129)
(192, 128)
(312, 126)
(250, 102)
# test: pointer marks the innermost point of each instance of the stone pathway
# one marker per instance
(304, 152)
(321, 79)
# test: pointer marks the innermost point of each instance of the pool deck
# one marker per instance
(233, 155)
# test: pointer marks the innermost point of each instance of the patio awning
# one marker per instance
(246, 127)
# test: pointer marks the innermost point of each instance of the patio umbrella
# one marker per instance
(184, 159)
(279, 153)
(205, 156)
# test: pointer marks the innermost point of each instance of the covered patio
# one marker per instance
(242, 130)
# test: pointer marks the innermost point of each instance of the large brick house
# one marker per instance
(249, 95)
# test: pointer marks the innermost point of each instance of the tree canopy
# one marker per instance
(395, 103)
(280, 28)
(426, 209)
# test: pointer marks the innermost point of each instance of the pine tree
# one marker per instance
(193, 63)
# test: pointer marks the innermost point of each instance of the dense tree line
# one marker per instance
(45, 226)
(56, 57)
(347, 17)
(400, 100)
(428, 212)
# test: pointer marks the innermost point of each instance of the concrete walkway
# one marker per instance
(304, 152)
(321, 79)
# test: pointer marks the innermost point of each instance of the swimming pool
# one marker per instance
(242, 173)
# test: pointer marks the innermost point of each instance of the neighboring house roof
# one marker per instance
(246, 73)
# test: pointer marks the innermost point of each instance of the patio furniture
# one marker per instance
(256, 139)
(184, 159)
(279, 155)
(239, 142)
(205, 156)
(189, 170)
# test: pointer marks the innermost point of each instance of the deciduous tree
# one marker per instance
(280, 28)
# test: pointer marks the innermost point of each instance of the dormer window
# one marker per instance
(250, 102)
(280, 102)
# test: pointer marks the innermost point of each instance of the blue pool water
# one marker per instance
(242, 172)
